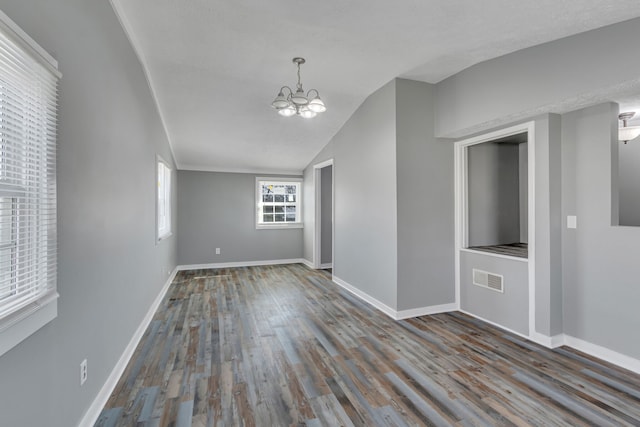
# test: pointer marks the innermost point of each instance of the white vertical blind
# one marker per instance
(28, 120)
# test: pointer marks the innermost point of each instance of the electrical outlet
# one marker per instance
(84, 373)
(217, 251)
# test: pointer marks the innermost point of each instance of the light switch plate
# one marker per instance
(572, 221)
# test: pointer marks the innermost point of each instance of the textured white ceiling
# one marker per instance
(215, 66)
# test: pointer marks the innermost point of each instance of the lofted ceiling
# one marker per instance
(215, 66)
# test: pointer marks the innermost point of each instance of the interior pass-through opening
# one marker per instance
(497, 196)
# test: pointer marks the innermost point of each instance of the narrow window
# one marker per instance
(164, 200)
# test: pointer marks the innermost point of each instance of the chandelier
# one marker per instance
(297, 103)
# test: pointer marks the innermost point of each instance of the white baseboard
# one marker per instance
(92, 414)
(538, 338)
(497, 325)
(619, 359)
(366, 297)
(243, 264)
(425, 311)
(595, 350)
(547, 341)
(307, 263)
(394, 314)
(312, 266)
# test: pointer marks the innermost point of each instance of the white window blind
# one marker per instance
(164, 200)
(28, 104)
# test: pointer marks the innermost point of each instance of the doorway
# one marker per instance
(324, 235)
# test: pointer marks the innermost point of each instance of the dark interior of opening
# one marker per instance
(498, 196)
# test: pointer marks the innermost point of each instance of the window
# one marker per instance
(278, 203)
(28, 117)
(164, 200)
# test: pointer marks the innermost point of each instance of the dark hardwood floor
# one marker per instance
(284, 346)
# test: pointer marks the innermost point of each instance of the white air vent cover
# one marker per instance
(492, 281)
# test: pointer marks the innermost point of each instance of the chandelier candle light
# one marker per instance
(297, 103)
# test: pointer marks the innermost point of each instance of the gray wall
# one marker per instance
(548, 219)
(629, 182)
(110, 268)
(562, 75)
(494, 194)
(601, 266)
(425, 201)
(217, 210)
(326, 210)
(509, 309)
(365, 221)
(309, 200)
(523, 183)
(393, 184)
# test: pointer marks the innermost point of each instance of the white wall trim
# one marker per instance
(243, 264)
(253, 171)
(491, 254)
(317, 230)
(531, 237)
(538, 338)
(547, 341)
(366, 297)
(394, 314)
(497, 325)
(611, 356)
(307, 263)
(595, 350)
(91, 416)
(22, 324)
(461, 213)
(426, 311)
(326, 265)
(323, 164)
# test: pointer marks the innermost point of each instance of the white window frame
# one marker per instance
(31, 301)
(163, 199)
(260, 224)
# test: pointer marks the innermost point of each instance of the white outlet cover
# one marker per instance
(217, 251)
(572, 221)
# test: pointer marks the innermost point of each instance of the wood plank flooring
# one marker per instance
(520, 250)
(284, 346)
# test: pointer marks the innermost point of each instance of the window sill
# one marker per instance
(278, 226)
(20, 325)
